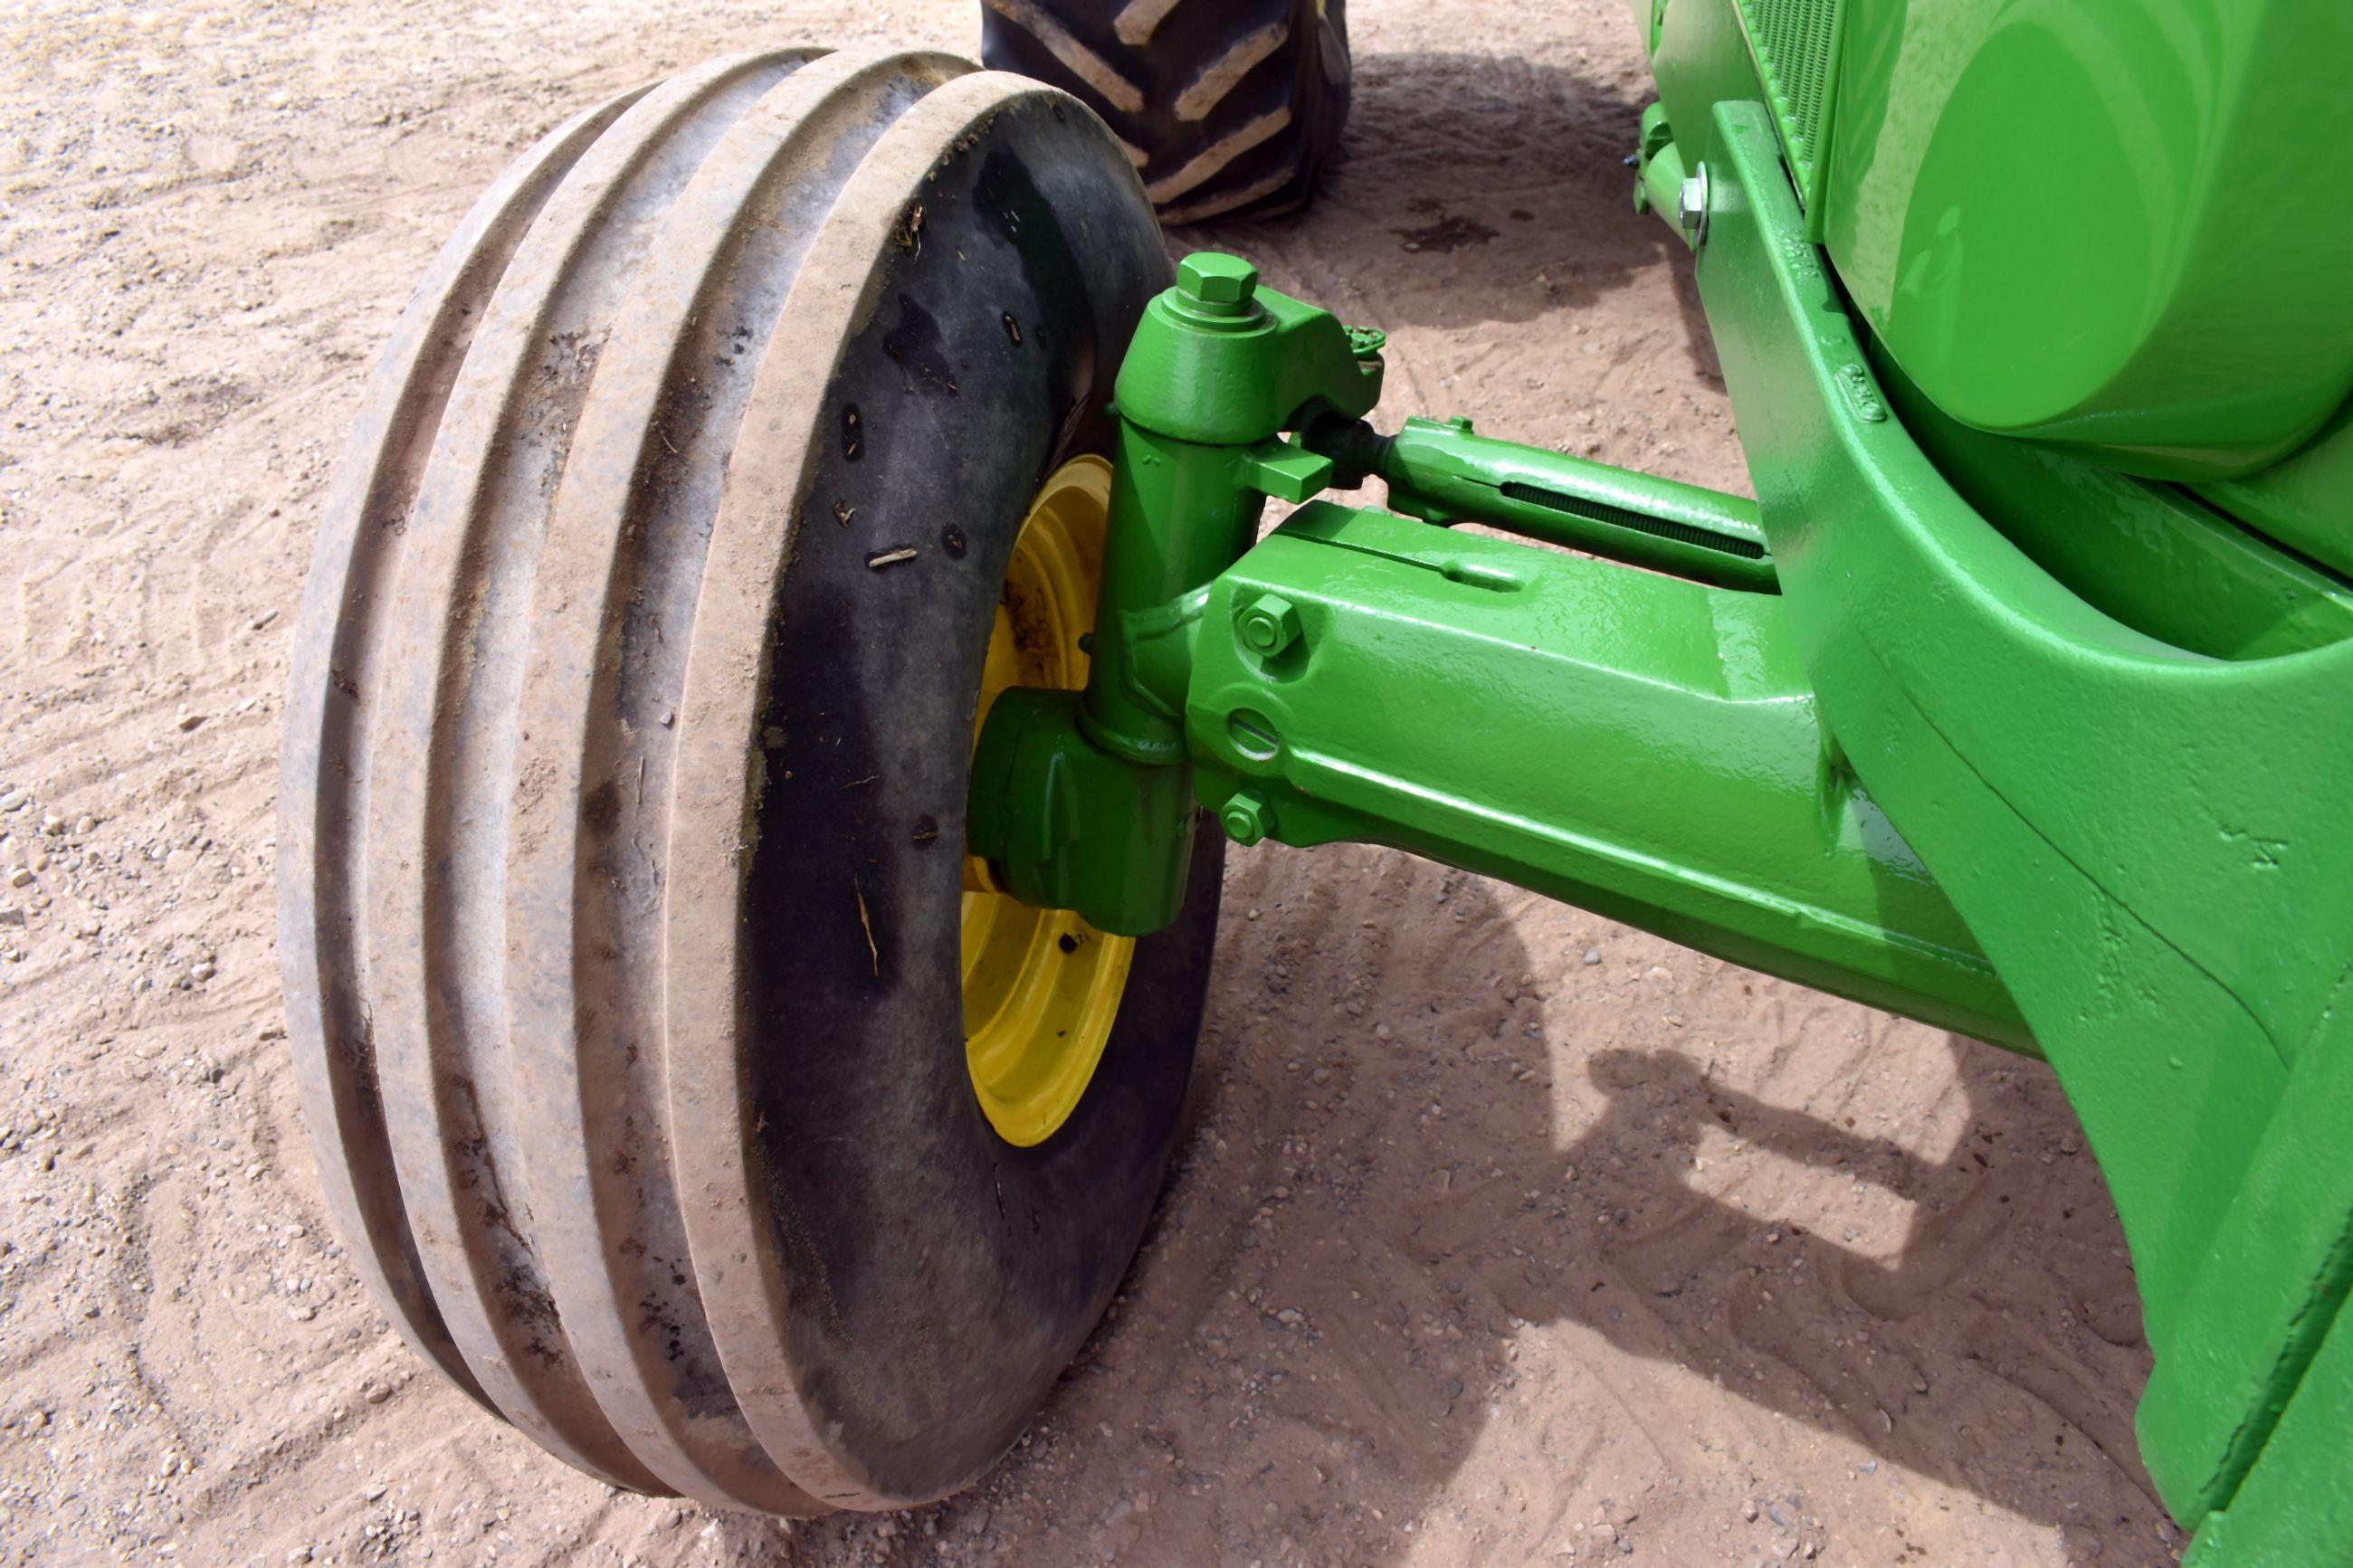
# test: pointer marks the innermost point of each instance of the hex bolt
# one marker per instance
(1215, 283)
(1247, 817)
(1691, 207)
(1271, 625)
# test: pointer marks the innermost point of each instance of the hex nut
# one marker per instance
(1247, 817)
(1271, 625)
(1215, 278)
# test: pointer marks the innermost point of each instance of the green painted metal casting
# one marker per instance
(2150, 842)
(2115, 728)
(1634, 744)
(2106, 225)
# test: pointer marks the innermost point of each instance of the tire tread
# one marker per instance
(1228, 108)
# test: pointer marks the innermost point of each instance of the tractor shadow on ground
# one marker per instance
(1473, 190)
(1973, 1322)
(1351, 1300)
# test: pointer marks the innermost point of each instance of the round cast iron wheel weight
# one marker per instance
(623, 909)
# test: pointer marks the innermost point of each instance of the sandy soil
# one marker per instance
(1507, 1235)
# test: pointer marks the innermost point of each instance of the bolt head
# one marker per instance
(1271, 625)
(1691, 206)
(1247, 817)
(1215, 278)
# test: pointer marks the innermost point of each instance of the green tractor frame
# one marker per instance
(793, 635)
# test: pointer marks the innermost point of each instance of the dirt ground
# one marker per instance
(1506, 1235)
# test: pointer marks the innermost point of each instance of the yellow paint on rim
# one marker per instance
(1040, 987)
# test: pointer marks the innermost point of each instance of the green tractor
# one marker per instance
(791, 636)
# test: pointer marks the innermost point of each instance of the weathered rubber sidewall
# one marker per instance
(938, 1278)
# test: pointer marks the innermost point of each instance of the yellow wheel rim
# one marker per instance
(1040, 987)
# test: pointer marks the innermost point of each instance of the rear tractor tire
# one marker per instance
(1228, 108)
(675, 1085)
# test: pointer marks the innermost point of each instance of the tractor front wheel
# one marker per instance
(680, 1090)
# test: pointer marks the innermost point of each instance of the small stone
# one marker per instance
(1749, 1511)
(11, 915)
(374, 1493)
(1592, 957)
(190, 721)
(15, 800)
(376, 1393)
(303, 1314)
(51, 823)
(1454, 1287)
(1289, 1317)
(202, 971)
(85, 824)
(1453, 1388)
(20, 877)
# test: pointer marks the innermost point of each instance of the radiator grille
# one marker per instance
(1794, 41)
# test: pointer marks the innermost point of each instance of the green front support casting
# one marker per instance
(2152, 844)
(2124, 840)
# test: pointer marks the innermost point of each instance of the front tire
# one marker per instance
(625, 781)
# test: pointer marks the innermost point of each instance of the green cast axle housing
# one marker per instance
(1994, 721)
